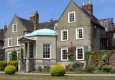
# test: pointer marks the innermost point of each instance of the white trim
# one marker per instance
(77, 33)
(50, 51)
(18, 44)
(62, 56)
(13, 27)
(62, 35)
(8, 56)
(77, 53)
(8, 42)
(69, 16)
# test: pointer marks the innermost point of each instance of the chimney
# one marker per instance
(35, 19)
(88, 7)
(5, 28)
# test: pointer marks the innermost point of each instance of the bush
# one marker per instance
(10, 69)
(106, 68)
(3, 64)
(57, 70)
(89, 69)
(14, 63)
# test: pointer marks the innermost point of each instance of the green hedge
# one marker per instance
(10, 69)
(58, 70)
(3, 64)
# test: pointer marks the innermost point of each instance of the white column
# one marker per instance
(27, 58)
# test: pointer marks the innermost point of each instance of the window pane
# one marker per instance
(79, 33)
(64, 54)
(64, 35)
(80, 53)
(31, 51)
(71, 17)
(46, 50)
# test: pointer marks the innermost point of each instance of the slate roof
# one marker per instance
(28, 24)
(49, 25)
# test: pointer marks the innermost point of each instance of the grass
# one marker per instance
(37, 77)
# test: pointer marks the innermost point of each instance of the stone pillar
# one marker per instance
(27, 58)
(19, 60)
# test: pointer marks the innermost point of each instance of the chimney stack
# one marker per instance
(35, 19)
(5, 28)
(88, 7)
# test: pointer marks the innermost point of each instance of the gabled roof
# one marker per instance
(92, 17)
(29, 25)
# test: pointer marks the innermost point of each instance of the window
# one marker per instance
(79, 33)
(64, 35)
(18, 41)
(80, 53)
(9, 42)
(9, 56)
(64, 54)
(31, 55)
(71, 17)
(46, 51)
(14, 27)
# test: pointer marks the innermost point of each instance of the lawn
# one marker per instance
(37, 77)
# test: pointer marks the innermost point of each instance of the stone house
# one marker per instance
(47, 43)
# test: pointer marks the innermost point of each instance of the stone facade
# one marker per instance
(92, 32)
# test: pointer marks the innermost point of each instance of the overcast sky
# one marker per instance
(49, 9)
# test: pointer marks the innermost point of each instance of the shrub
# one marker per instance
(10, 69)
(57, 70)
(3, 64)
(106, 68)
(89, 69)
(14, 63)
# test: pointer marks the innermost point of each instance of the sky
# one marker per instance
(49, 9)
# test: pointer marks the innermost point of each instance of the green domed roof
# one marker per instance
(42, 32)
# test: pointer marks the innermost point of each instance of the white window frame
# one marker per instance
(50, 51)
(77, 35)
(8, 42)
(9, 56)
(69, 17)
(18, 44)
(62, 35)
(77, 53)
(13, 27)
(62, 54)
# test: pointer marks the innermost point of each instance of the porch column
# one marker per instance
(19, 60)
(27, 58)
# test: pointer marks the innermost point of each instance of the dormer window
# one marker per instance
(71, 17)
(14, 27)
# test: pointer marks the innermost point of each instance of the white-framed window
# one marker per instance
(80, 53)
(14, 27)
(64, 35)
(64, 54)
(18, 55)
(9, 56)
(46, 51)
(31, 49)
(9, 42)
(71, 17)
(18, 41)
(79, 33)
